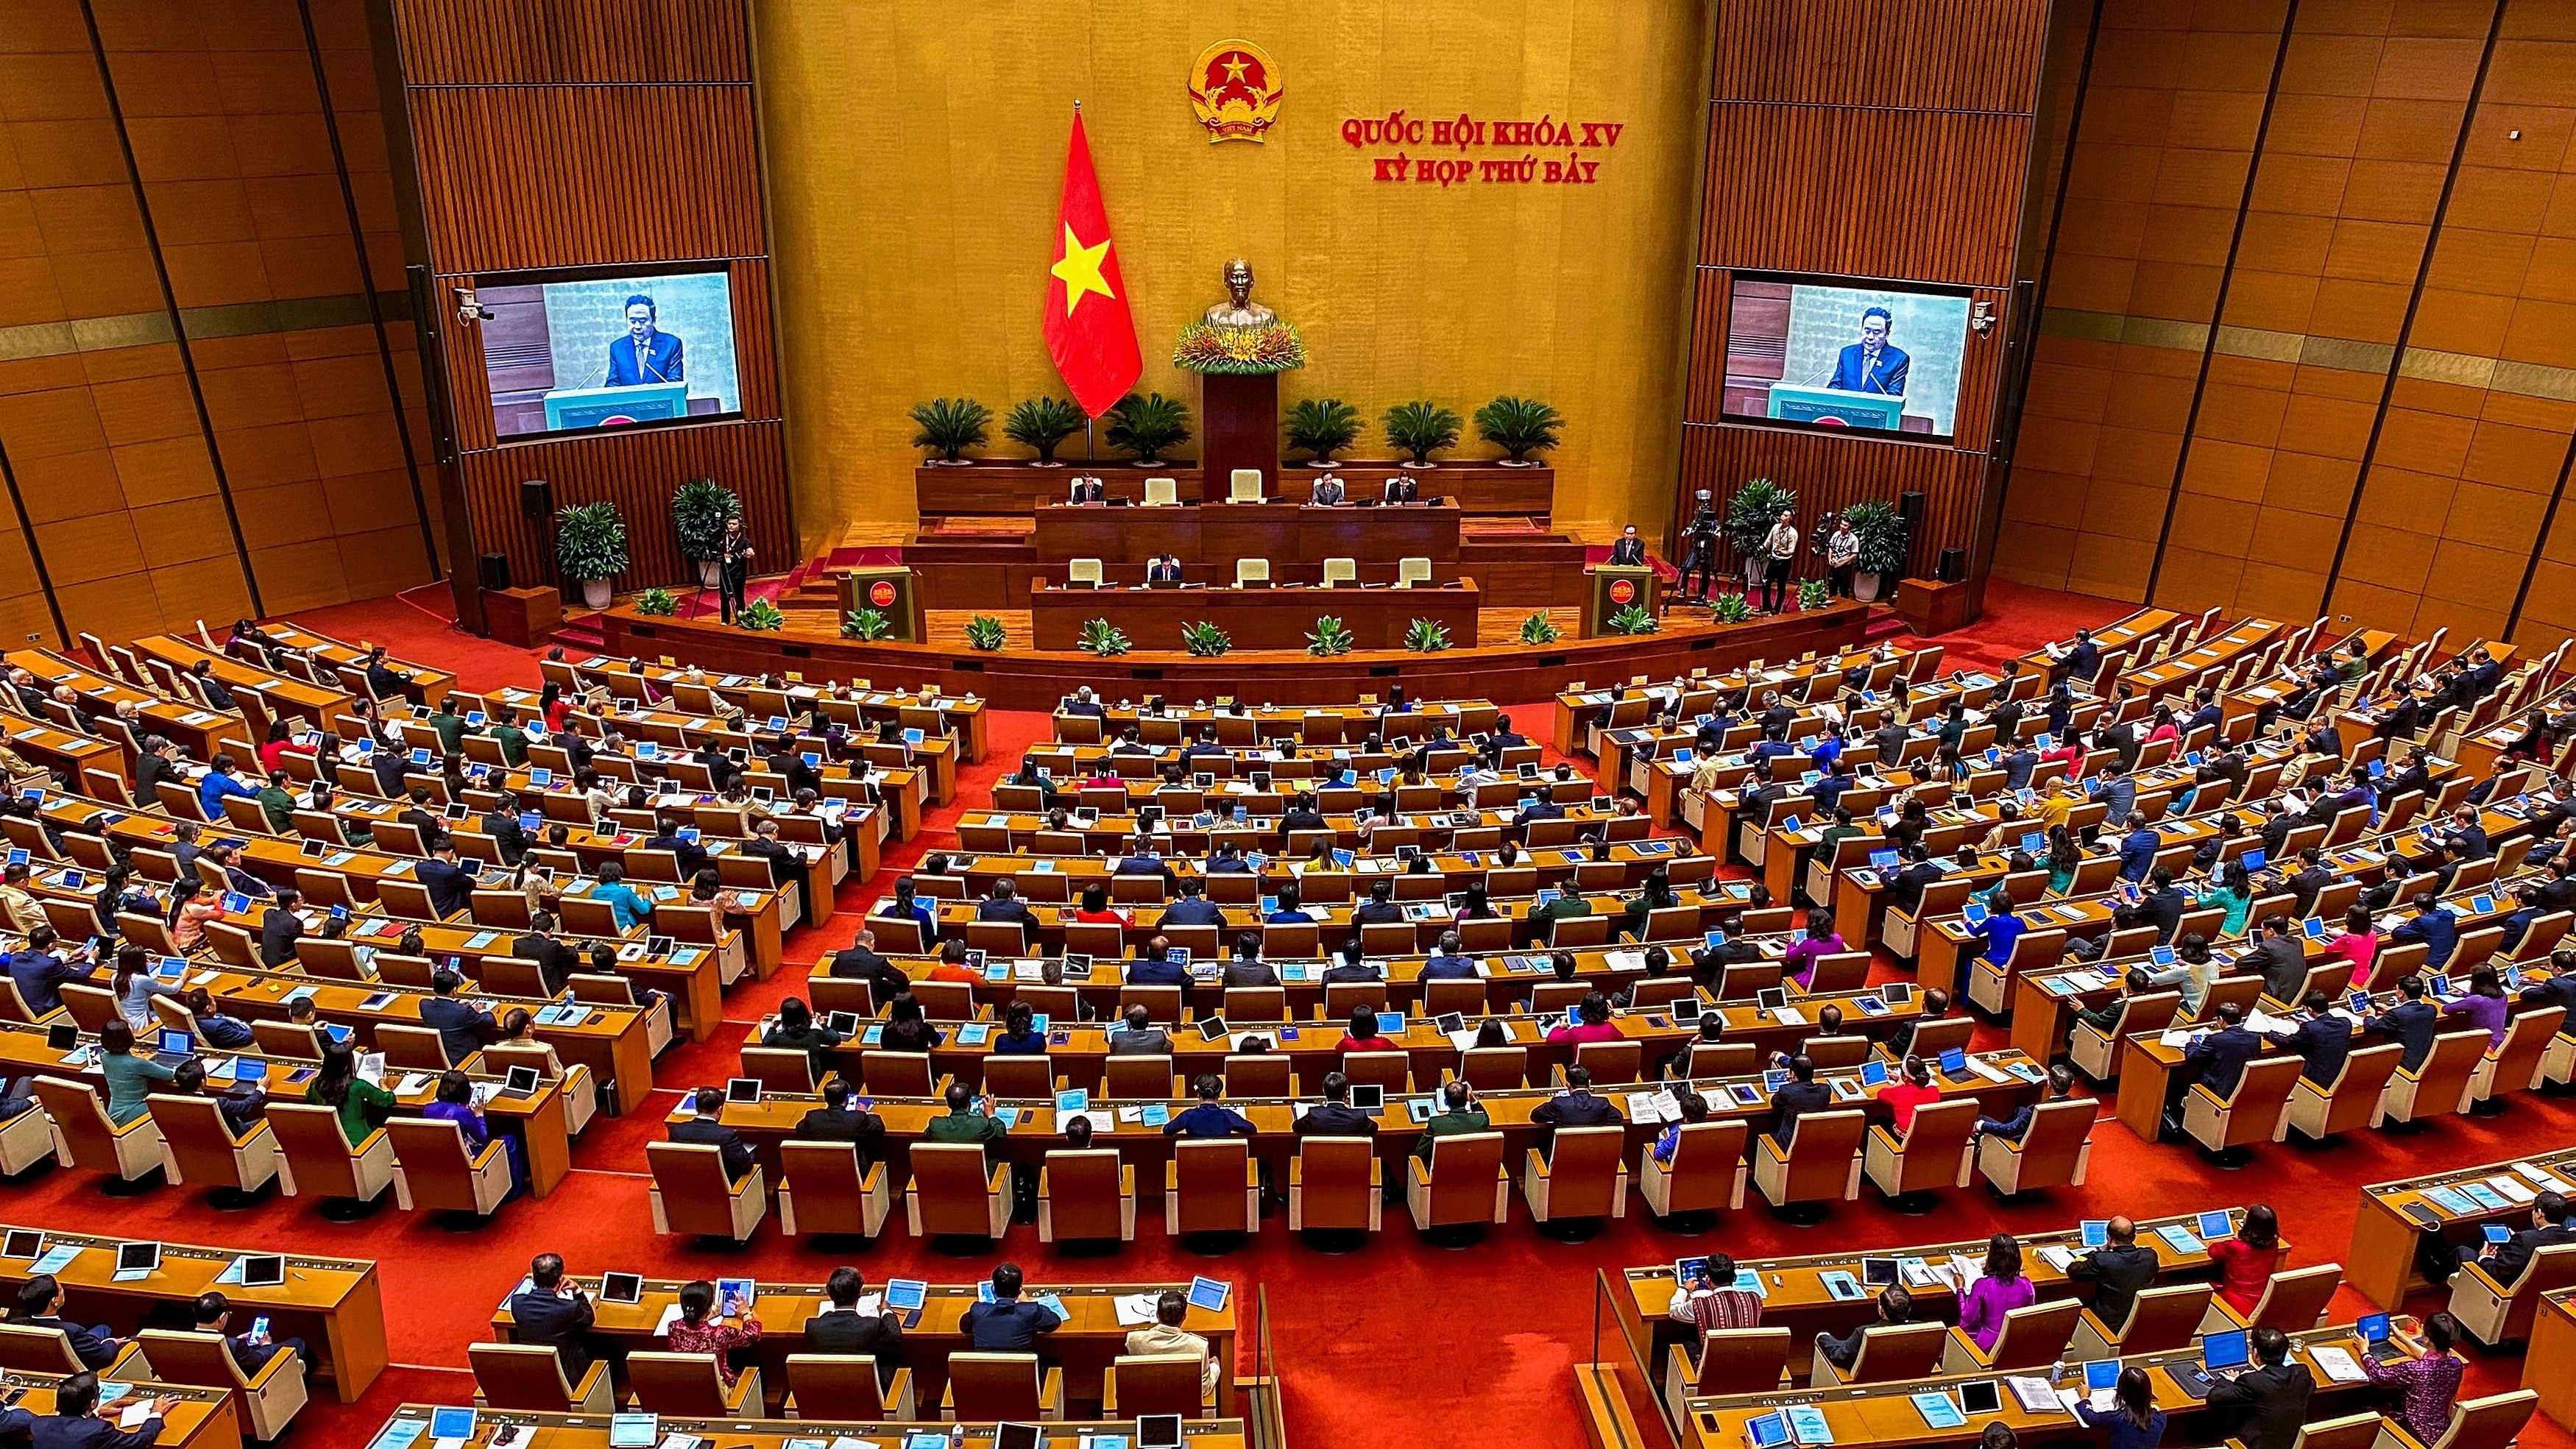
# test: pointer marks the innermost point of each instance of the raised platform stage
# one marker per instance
(1023, 678)
(1220, 533)
(1481, 490)
(1256, 618)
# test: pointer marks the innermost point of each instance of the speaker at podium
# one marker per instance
(1615, 587)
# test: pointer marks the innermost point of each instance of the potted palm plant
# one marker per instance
(699, 509)
(1882, 547)
(984, 633)
(1041, 423)
(1749, 516)
(1519, 426)
(949, 426)
(1322, 426)
(1145, 424)
(590, 547)
(1421, 429)
(1331, 637)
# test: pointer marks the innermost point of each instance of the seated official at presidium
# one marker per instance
(1872, 364)
(646, 353)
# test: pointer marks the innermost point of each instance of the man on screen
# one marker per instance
(1871, 364)
(645, 353)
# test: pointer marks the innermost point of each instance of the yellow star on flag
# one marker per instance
(1235, 66)
(1079, 270)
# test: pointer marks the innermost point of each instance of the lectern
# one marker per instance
(1615, 587)
(889, 590)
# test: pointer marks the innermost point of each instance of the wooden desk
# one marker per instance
(2549, 1359)
(927, 707)
(202, 1419)
(1324, 724)
(428, 681)
(1084, 1345)
(197, 732)
(1255, 618)
(293, 696)
(590, 1431)
(1220, 533)
(46, 743)
(2381, 1263)
(334, 1304)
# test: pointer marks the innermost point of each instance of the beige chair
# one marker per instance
(198, 1148)
(1463, 1183)
(26, 1348)
(319, 1159)
(2096, 1053)
(2055, 1152)
(579, 1090)
(2440, 1087)
(1335, 1185)
(2293, 1302)
(1935, 1152)
(2257, 1111)
(1087, 1196)
(2351, 1100)
(1083, 571)
(954, 1194)
(84, 1137)
(995, 1387)
(2495, 1312)
(1251, 571)
(688, 1385)
(530, 1377)
(2515, 1066)
(1582, 1176)
(2159, 1320)
(2352, 1431)
(434, 1169)
(1731, 1361)
(1707, 1173)
(840, 1198)
(1889, 1352)
(2483, 1423)
(1162, 492)
(1411, 571)
(692, 1194)
(1340, 571)
(2033, 1336)
(1212, 1186)
(1158, 1383)
(264, 1402)
(846, 1386)
(1821, 1164)
(1243, 485)
(25, 1140)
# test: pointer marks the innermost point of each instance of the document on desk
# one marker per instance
(2339, 1364)
(2037, 1395)
(2543, 1177)
(1988, 1070)
(2512, 1188)
(1135, 1309)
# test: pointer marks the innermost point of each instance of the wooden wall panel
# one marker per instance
(637, 472)
(573, 42)
(517, 176)
(1869, 139)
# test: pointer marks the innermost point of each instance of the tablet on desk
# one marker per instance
(22, 1243)
(1018, 1436)
(743, 1091)
(263, 1270)
(906, 1294)
(1980, 1396)
(137, 1260)
(1767, 1431)
(451, 1425)
(1368, 1096)
(621, 1288)
(1158, 1431)
(634, 1431)
(519, 1082)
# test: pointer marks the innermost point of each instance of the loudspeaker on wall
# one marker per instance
(536, 497)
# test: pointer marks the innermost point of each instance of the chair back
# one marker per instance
(317, 1152)
(830, 1186)
(1931, 1038)
(2262, 1094)
(989, 1387)
(1463, 1171)
(1019, 1076)
(1495, 1069)
(2163, 1319)
(1391, 1070)
(684, 1385)
(2352, 1431)
(2355, 1092)
(2442, 1083)
(1820, 1155)
(1210, 1175)
(1256, 1003)
(1158, 1383)
(1138, 1076)
(1083, 1194)
(198, 1145)
(895, 1074)
(2487, 1423)
(438, 1170)
(527, 1377)
(92, 1007)
(844, 1384)
(697, 1194)
(1934, 1146)
(2035, 1334)
(1265, 1075)
(1721, 1058)
(1893, 1351)
(2054, 1146)
(1701, 1176)
(27, 1348)
(779, 1069)
(1741, 1360)
(1611, 1063)
(1334, 1186)
(953, 1187)
(201, 1360)
(79, 1115)
(1832, 1053)
(286, 1039)
(1585, 1171)
(2515, 1066)
(2296, 1301)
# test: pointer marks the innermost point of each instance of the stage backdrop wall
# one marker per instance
(915, 155)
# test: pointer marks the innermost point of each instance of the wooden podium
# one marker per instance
(1240, 418)
(1615, 587)
(889, 590)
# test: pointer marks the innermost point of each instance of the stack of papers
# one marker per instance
(2339, 1365)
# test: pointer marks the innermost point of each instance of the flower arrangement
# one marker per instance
(1103, 638)
(1204, 639)
(1211, 347)
(1813, 594)
(1731, 609)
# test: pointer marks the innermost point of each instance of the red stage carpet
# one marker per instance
(1398, 1343)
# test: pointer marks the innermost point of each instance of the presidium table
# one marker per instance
(1276, 617)
(1221, 533)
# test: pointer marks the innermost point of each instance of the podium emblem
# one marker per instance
(1623, 591)
(1235, 88)
(881, 593)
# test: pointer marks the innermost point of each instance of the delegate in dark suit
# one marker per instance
(848, 1331)
(2322, 1042)
(1336, 1119)
(2118, 1273)
(707, 1132)
(84, 1431)
(1856, 371)
(2222, 1056)
(1577, 1108)
(2273, 1400)
(2514, 1254)
(559, 1323)
(658, 360)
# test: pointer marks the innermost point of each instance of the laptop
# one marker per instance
(2373, 1328)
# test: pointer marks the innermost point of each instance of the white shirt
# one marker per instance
(1783, 542)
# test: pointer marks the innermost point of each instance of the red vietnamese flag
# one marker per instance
(1089, 331)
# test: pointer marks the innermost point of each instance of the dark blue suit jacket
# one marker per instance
(62, 1431)
(1886, 376)
(661, 362)
(2324, 1041)
(2222, 1056)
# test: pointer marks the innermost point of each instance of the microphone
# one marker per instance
(1817, 378)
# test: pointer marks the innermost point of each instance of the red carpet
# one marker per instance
(1385, 1345)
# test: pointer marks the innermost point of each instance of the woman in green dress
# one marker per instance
(363, 1106)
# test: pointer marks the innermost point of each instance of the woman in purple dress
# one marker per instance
(455, 1104)
(2003, 1289)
